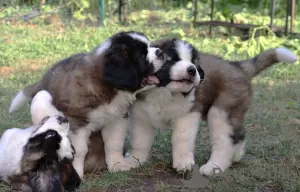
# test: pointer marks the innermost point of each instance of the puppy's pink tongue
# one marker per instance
(153, 79)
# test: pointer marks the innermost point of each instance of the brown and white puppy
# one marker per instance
(93, 90)
(171, 105)
(39, 158)
(224, 98)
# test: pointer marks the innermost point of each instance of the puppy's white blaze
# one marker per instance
(52, 123)
(140, 38)
(41, 107)
(179, 70)
(285, 55)
(18, 101)
(152, 58)
(184, 50)
(103, 47)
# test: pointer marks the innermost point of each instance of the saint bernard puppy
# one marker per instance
(39, 158)
(171, 105)
(222, 100)
(94, 90)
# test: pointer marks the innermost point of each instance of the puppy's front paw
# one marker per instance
(135, 162)
(210, 169)
(183, 163)
(120, 165)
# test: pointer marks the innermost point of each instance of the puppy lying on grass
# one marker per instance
(39, 158)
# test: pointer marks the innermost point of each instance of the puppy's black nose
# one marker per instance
(191, 70)
(62, 120)
(159, 53)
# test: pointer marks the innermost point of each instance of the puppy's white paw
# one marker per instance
(120, 165)
(135, 162)
(183, 163)
(238, 155)
(210, 169)
(239, 151)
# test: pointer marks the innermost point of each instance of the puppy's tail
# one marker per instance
(24, 96)
(266, 59)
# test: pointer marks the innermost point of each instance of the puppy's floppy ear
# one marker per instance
(68, 175)
(200, 71)
(32, 153)
(118, 69)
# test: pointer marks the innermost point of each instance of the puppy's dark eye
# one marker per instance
(50, 134)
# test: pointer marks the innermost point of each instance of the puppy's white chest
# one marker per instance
(162, 108)
(108, 113)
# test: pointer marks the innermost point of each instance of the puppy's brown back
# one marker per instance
(225, 85)
(76, 85)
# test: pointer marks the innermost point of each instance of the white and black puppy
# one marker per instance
(41, 162)
(169, 106)
(36, 158)
(94, 90)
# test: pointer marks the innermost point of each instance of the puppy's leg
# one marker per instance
(80, 139)
(142, 135)
(239, 151)
(222, 145)
(238, 137)
(114, 137)
(183, 141)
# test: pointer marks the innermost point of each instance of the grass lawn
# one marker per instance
(272, 160)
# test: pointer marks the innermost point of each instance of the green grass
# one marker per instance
(272, 155)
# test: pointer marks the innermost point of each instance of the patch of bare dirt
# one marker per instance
(26, 65)
(253, 127)
(148, 183)
(5, 70)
